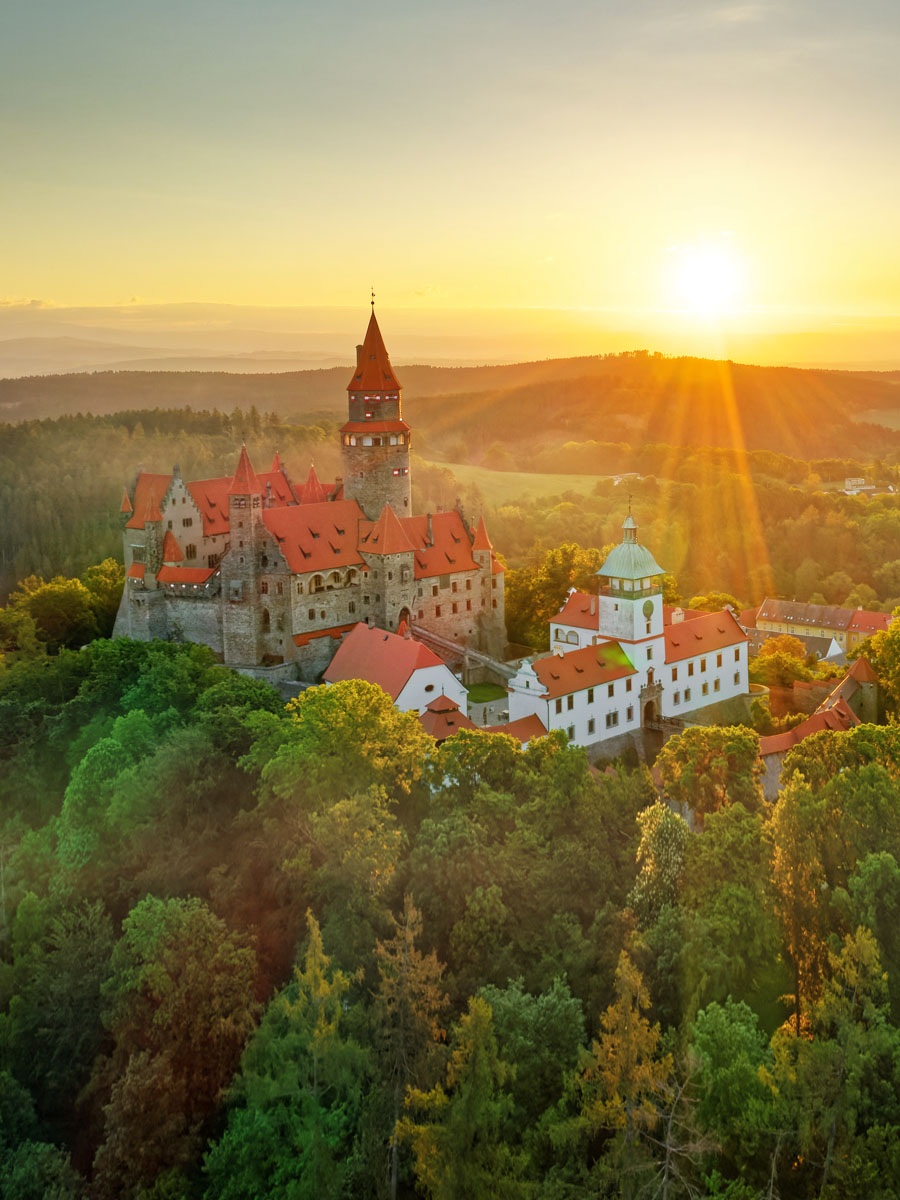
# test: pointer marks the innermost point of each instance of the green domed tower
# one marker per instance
(631, 587)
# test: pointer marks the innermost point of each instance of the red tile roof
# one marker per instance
(687, 614)
(384, 536)
(185, 574)
(276, 463)
(148, 492)
(709, 631)
(334, 631)
(442, 718)
(482, 541)
(245, 482)
(497, 567)
(395, 426)
(373, 369)
(577, 612)
(862, 671)
(276, 488)
(211, 497)
(126, 503)
(380, 657)
(747, 617)
(313, 492)
(136, 571)
(171, 551)
(579, 669)
(866, 622)
(524, 729)
(316, 537)
(837, 719)
(450, 550)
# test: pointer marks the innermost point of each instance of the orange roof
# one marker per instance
(862, 671)
(316, 537)
(185, 574)
(380, 657)
(524, 729)
(482, 541)
(579, 610)
(837, 719)
(449, 550)
(245, 482)
(136, 571)
(384, 536)
(747, 617)
(276, 463)
(276, 488)
(313, 492)
(126, 503)
(866, 622)
(334, 631)
(211, 497)
(709, 631)
(579, 669)
(497, 567)
(148, 491)
(373, 368)
(442, 718)
(171, 551)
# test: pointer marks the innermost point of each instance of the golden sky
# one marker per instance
(656, 166)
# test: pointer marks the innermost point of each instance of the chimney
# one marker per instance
(359, 358)
(370, 621)
(176, 471)
(677, 616)
(430, 533)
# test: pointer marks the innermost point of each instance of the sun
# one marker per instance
(706, 279)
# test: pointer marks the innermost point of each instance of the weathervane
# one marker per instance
(373, 299)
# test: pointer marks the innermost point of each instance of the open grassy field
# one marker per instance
(508, 487)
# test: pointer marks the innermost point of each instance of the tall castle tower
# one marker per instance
(375, 440)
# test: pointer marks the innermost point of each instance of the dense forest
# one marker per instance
(249, 949)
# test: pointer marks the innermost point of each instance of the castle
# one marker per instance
(272, 574)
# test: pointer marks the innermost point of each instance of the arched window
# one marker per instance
(352, 577)
(317, 584)
(266, 620)
(573, 637)
(334, 580)
(367, 441)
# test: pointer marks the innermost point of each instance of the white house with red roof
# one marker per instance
(273, 574)
(622, 660)
(411, 674)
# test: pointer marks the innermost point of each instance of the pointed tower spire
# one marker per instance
(245, 482)
(482, 541)
(126, 503)
(276, 462)
(374, 372)
(313, 491)
(171, 551)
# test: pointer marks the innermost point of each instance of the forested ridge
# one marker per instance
(256, 950)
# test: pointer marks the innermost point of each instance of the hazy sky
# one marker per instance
(569, 154)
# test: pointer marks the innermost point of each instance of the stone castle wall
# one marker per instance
(370, 480)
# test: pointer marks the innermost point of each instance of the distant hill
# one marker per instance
(633, 398)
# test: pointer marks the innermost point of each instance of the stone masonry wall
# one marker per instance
(370, 480)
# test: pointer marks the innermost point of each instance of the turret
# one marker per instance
(630, 586)
(242, 621)
(375, 440)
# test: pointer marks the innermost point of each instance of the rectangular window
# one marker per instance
(674, 674)
(468, 585)
(629, 713)
(648, 626)
(737, 654)
(264, 587)
(610, 689)
(718, 660)
(437, 610)
(190, 551)
(279, 588)
(187, 522)
(559, 705)
(612, 719)
(716, 685)
(455, 606)
(690, 668)
(627, 685)
(570, 702)
(311, 614)
(737, 677)
(687, 695)
(493, 604)
(676, 699)
(590, 698)
(571, 733)
(706, 689)
(468, 606)
(649, 653)
(702, 665)
(592, 724)
(421, 613)
(453, 586)
(434, 589)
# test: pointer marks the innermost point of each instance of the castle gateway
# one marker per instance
(266, 571)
